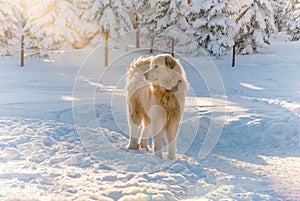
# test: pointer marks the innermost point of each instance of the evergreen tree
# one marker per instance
(172, 20)
(106, 15)
(172, 16)
(82, 5)
(9, 28)
(53, 25)
(135, 9)
(288, 18)
(293, 19)
(147, 21)
(163, 20)
(279, 7)
(212, 25)
(255, 27)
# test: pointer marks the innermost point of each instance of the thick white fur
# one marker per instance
(155, 98)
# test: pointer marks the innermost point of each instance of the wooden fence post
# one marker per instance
(233, 55)
(151, 45)
(137, 32)
(173, 47)
(22, 50)
(137, 39)
(106, 49)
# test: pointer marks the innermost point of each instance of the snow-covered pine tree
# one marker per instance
(288, 11)
(106, 15)
(147, 22)
(82, 5)
(212, 25)
(293, 17)
(279, 8)
(135, 9)
(172, 16)
(172, 22)
(9, 28)
(158, 36)
(255, 27)
(163, 20)
(54, 25)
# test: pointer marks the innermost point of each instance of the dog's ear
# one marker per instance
(170, 61)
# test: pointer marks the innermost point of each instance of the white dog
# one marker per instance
(155, 97)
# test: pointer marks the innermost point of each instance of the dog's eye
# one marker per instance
(156, 66)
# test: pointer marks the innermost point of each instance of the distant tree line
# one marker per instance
(208, 24)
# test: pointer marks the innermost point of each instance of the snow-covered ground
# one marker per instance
(44, 155)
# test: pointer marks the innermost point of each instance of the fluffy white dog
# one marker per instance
(155, 97)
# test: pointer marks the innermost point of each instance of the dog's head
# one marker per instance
(164, 71)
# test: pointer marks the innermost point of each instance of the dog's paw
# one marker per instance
(158, 154)
(133, 147)
(133, 144)
(171, 157)
(144, 147)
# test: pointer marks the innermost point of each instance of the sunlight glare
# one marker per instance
(251, 86)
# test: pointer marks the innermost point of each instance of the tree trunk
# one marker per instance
(137, 39)
(106, 49)
(22, 50)
(233, 55)
(151, 44)
(173, 47)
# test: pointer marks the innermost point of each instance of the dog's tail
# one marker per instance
(140, 65)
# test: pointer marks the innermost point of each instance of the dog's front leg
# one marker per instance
(171, 134)
(133, 141)
(157, 144)
(144, 138)
(158, 121)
